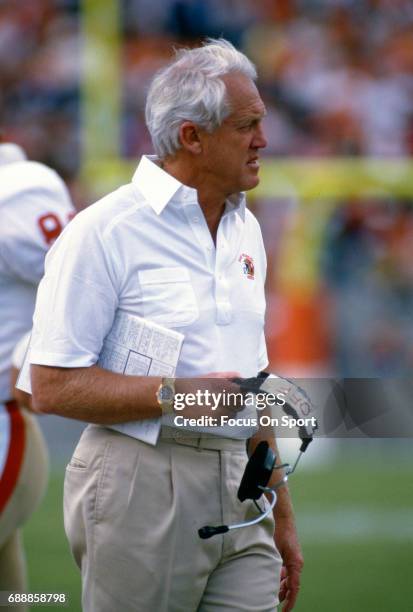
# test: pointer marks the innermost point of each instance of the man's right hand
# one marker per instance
(215, 393)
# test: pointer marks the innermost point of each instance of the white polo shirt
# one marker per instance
(146, 249)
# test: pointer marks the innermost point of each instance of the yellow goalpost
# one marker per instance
(316, 184)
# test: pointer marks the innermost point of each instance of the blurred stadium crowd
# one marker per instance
(337, 79)
(336, 76)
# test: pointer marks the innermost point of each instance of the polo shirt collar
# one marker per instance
(159, 188)
(236, 202)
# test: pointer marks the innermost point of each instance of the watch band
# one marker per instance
(165, 395)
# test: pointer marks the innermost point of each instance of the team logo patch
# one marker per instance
(247, 265)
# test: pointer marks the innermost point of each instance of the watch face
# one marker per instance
(166, 394)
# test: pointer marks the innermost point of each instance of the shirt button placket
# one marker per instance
(223, 305)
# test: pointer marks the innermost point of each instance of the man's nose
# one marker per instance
(260, 141)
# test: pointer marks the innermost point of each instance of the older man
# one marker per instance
(177, 247)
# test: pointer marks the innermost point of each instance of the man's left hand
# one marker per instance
(286, 541)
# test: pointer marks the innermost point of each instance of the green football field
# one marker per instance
(355, 521)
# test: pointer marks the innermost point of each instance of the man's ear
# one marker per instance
(189, 137)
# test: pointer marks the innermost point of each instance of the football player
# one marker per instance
(35, 205)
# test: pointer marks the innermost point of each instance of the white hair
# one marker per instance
(190, 88)
(10, 153)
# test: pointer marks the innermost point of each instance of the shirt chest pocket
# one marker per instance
(168, 296)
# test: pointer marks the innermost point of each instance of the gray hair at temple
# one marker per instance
(190, 88)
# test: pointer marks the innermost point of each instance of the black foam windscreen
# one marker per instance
(207, 531)
(257, 472)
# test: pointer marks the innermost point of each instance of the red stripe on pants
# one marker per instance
(15, 453)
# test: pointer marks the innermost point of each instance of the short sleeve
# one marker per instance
(76, 300)
(20, 350)
(263, 356)
(262, 350)
(33, 211)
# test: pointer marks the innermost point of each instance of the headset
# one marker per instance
(262, 462)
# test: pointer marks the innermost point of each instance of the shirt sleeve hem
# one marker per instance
(263, 365)
(62, 360)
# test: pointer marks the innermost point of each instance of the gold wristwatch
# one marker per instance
(165, 395)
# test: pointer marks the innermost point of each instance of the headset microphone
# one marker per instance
(263, 460)
(207, 531)
(253, 484)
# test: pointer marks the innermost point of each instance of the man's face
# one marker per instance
(230, 155)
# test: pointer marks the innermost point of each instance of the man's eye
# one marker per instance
(246, 127)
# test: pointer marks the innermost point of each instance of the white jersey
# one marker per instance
(34, 207)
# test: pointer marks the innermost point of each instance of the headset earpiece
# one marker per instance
(257, 472)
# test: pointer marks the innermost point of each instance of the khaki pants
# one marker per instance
(23, 501)
(132, 512)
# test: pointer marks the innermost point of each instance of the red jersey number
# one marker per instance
(51, 226)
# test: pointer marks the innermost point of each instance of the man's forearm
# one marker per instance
(93, 394)
(99, 396)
